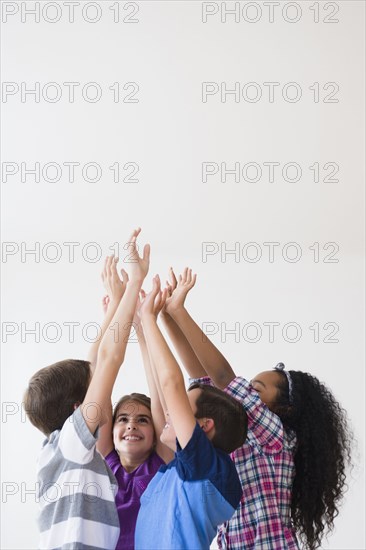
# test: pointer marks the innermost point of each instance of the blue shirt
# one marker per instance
(188, 498)
(131, 485)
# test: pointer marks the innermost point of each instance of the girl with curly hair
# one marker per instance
(293, 463)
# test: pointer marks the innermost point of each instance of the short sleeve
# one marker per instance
(264, 425)
(203, 380)
(195, 461)
(201, 461)
(76, 443)
(113, 461)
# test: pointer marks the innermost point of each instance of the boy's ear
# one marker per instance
(207, 424)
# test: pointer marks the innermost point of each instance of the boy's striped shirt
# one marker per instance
(76, 491)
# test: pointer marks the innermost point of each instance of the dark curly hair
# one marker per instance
(324, 444)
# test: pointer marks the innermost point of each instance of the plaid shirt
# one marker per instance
(265, 464)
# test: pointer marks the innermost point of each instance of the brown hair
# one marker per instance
(136, 397)
(231, 422)
(53, 392)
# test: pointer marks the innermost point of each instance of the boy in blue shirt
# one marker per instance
(200, 489)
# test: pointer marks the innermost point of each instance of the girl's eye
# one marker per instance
(123, 419)
(143, 421)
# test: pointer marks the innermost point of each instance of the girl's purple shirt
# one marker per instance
(130, 488)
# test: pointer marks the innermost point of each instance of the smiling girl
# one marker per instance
(134, 456)
(128, 440)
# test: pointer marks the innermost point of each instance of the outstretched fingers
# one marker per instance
(113, 268)
(148, 304)
(135, 233)
(187, 279)
(172, 279)
(156, 285)
(146, 253)
(184, 275)
(160, 301)
(104, 272)
(131, 243)
(191, 279)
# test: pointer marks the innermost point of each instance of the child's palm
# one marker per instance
(114, 286)
(177, 298)
(139, 266)
(153, 302)
(171, 285)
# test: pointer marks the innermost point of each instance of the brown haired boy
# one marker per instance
(76, 488)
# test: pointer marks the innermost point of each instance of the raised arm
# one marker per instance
(179, 341)
(211, 359)
(157, 400)
(96, 405)
(168, 372)
(115, 288)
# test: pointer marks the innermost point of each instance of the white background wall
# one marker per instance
(168, 132)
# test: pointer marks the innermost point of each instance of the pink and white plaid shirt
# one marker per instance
(265, 464)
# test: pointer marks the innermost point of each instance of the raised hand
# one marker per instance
(177, 298)
(171, 285)
(114, 286)
(153, 302)
(138, 266)
(159, 302)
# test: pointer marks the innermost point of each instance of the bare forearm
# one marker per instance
(113, 347)
(211, 359)
(167, 368)
(110, 357)
(93, 351)
(157, 399)
(183, 348)
(114, 341)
